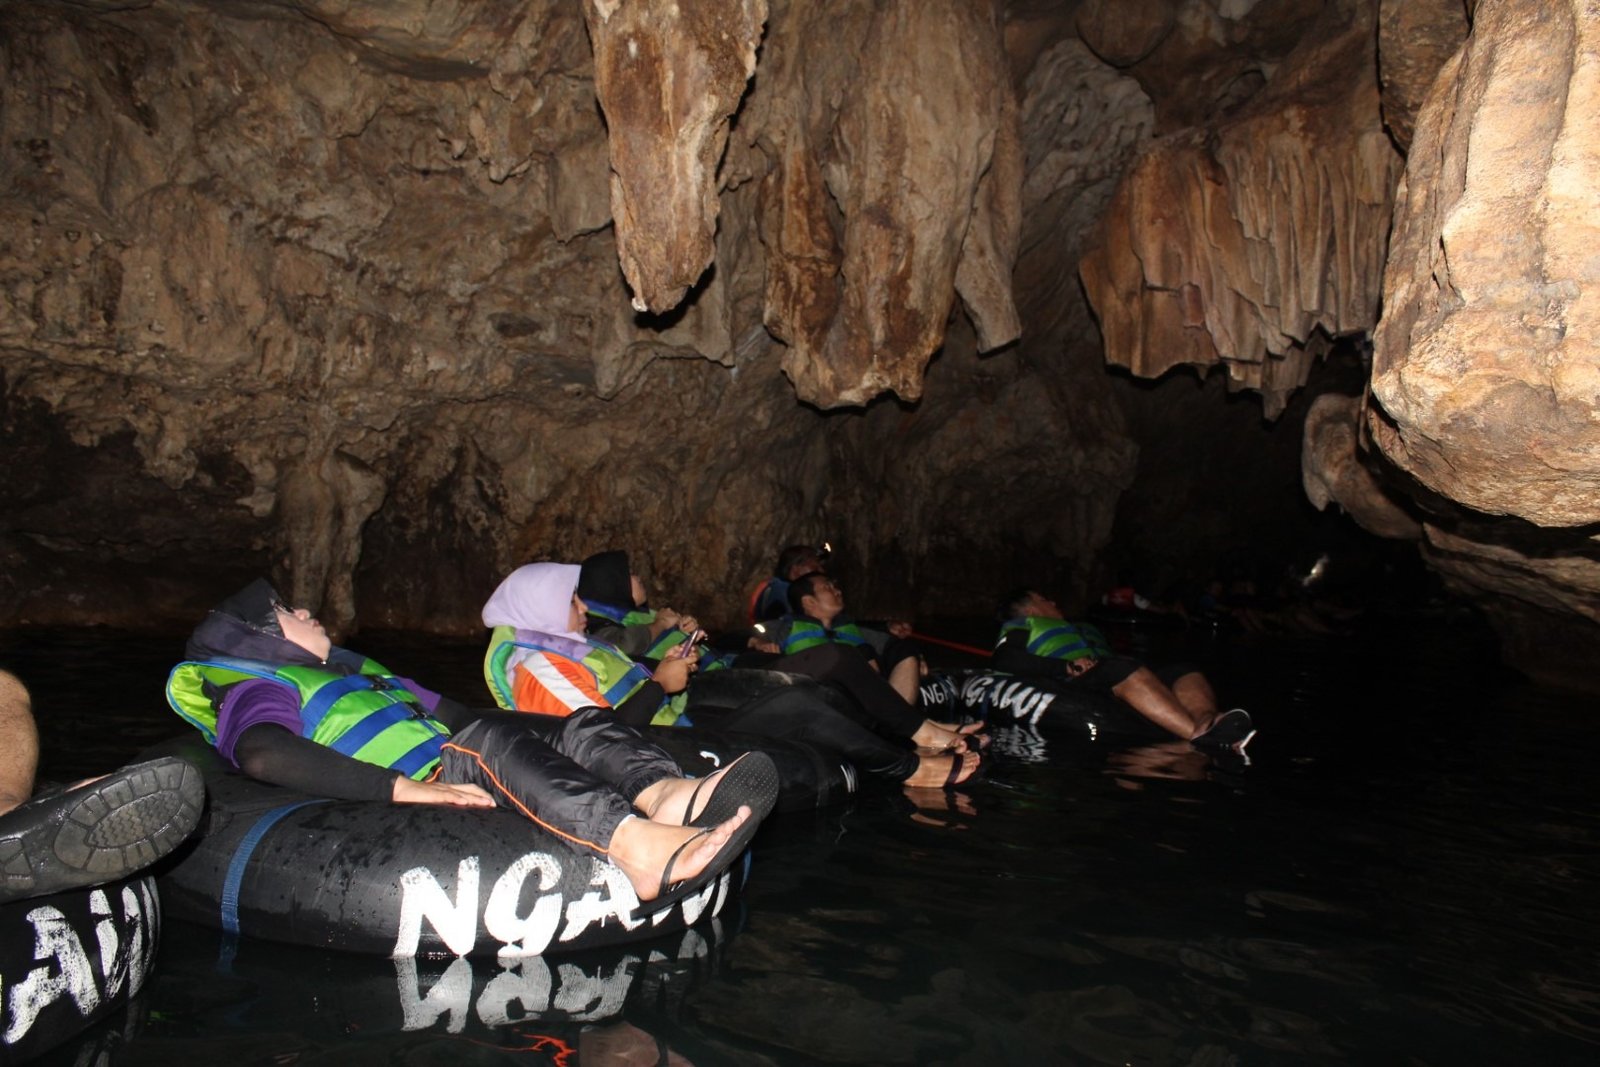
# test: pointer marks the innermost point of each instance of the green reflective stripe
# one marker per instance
(807, 634)
(619, 676)
(670, 639)
(495, 674)
(671, 712)
(1056, 639)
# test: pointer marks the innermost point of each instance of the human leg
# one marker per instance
(1193, 691)
(19, 740)
(1150, 697)
(798, 713)
(905, 678)
(525, 773)
(1214, 729)
(883, 707)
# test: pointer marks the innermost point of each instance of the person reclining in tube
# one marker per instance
(541, 660)
(771, 598)
(266, 685)
(1036, 641)
(818, 639)
(96, 831)
(898, 658)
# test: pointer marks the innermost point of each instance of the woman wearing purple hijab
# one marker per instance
(541, 660)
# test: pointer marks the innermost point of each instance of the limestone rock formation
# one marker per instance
(882, 202)
(331, 290)
(1334, 470)
(1250, 242)
(1487, 363)
(1486, 371)
(1415, 39)
(669, 75)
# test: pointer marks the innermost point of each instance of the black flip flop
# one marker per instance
(957, 759)
(672, 892)
(751, 779)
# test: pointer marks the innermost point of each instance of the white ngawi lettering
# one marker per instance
(1025, 702)
(422, 897)
(455, 919)
(611, 897)
(524, 935)
(67, 970)
(526, 989)
(1012, 698)
(451, 995)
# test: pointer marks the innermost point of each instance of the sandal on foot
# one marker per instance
(957, 761)
(1231, 731)
(752, 779)
(672, 892)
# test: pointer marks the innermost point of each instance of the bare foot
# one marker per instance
(939, 738)
(641, 849)
(667, 801)
(933, 772)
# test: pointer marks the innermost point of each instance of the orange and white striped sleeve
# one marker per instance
(554, 685)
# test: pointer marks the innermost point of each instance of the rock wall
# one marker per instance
(334, 290)
(1486, 369)
(1252, 240)
(385, 298)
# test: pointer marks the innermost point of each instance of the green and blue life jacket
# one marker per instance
(616, 675)
(805, 633)
(1058, 639)
(368, 715)
(670, 638)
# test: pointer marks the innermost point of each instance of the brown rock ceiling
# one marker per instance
(388, 297)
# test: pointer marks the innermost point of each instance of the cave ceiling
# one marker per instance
(387, 297)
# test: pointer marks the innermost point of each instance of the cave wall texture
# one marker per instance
(388, 297)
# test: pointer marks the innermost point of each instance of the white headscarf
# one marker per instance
(536, 596)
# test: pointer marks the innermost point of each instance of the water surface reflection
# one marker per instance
(1406, 873)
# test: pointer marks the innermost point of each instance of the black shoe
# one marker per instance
(100, 832)
(1229, 732)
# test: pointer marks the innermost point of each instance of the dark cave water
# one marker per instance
(1406, 874)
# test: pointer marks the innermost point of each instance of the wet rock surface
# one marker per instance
(385, 298)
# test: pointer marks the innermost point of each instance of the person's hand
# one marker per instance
(673, 674)
(665, 620)
(762, 644)
(411, 791)
(1084, 665)
(899, 628)
(687, 624)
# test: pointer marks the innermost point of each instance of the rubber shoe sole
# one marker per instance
(100, 832)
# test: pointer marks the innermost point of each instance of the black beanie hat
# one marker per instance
(606, 579)
(254, 605)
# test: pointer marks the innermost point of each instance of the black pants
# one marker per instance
(805, 712)
(577, 777)
(848, 669)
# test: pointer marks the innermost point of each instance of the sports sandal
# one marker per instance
(100, 832)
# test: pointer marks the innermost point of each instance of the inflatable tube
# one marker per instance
(1058, 708)
(809, 777)
(399, 880)
(71, 959)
